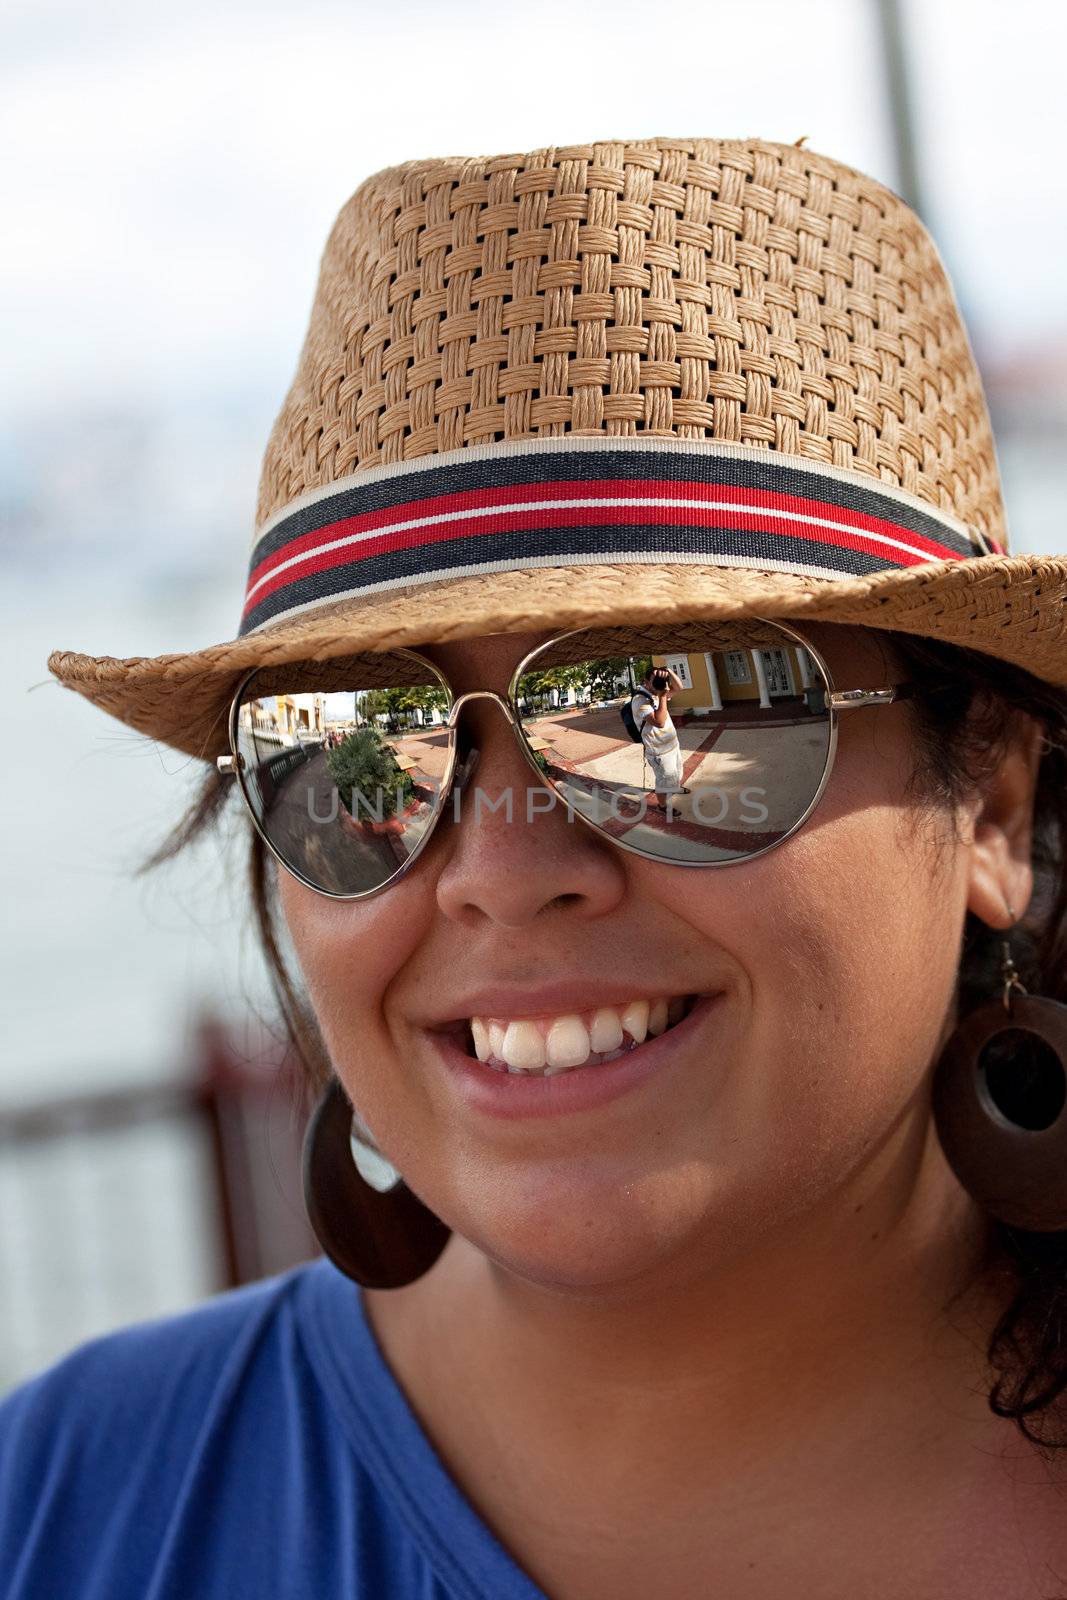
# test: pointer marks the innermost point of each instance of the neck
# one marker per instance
(836, 1329)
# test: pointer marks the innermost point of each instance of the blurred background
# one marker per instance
(172, 176)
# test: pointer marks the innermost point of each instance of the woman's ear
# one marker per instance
(1001, 870)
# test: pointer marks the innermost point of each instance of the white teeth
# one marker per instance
(567, 1043)
(657, 1017)
(482, 1047)
(606, 1032)
(523, 1047)
(635, 1020)
(560, 1044)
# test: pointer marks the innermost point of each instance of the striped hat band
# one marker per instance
(577, 500)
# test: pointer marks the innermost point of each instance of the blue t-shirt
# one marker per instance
(257, 1447)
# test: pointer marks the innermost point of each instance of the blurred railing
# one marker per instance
(135, 1202)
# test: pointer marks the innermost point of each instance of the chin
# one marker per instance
(588, 1237)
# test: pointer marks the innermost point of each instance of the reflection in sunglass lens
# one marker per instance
(344, 765)
(698, 742)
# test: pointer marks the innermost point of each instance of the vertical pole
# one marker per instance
(713, 680)
(761, 679)
(211, 1079)
(898, 88)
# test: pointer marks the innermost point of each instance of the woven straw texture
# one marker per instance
(736, 290)
(747, 292)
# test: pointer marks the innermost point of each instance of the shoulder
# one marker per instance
(109, 1375)
(191, 1455)
(104, 1392)
(99, 1451)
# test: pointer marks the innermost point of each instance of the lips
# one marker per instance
(498, 1094)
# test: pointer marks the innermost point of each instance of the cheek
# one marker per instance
(849, 935)
(349, 953)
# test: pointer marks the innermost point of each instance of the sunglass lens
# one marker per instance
(724, 766)
(344, 764)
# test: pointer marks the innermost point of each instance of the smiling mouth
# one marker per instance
(544, 1046)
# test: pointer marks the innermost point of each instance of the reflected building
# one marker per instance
(712, 679)
(284, 718)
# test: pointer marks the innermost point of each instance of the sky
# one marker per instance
(173, 173)
(176, 169)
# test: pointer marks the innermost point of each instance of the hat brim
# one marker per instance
(1013, 608)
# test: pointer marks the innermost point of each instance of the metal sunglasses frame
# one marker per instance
(837, 700)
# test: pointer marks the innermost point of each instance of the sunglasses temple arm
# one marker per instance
(855, 699)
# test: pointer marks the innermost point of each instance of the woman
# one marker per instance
(651, 713)
(729, 1251)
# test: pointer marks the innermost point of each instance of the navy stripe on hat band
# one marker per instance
(582, 500)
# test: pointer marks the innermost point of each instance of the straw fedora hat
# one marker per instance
(646, 378)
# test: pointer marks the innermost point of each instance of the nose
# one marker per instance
(514, 853)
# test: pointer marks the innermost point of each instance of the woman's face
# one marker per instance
(834, 956)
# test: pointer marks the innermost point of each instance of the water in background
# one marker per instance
(104, 973)
(101, 967)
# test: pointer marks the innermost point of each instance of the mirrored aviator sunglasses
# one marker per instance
(699, 744)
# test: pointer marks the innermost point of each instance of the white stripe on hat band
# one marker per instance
(650, 558)
(643, 443)
(689, 502)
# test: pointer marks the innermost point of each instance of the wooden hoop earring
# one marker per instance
(382, 1240)
(1001, 1107)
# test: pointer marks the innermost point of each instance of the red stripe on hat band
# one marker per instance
(571, 517)
(756, 511)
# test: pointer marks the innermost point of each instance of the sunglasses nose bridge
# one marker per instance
(479, 694)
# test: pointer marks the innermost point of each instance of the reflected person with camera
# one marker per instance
(658, 733)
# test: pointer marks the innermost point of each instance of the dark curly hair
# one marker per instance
(961, 734)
